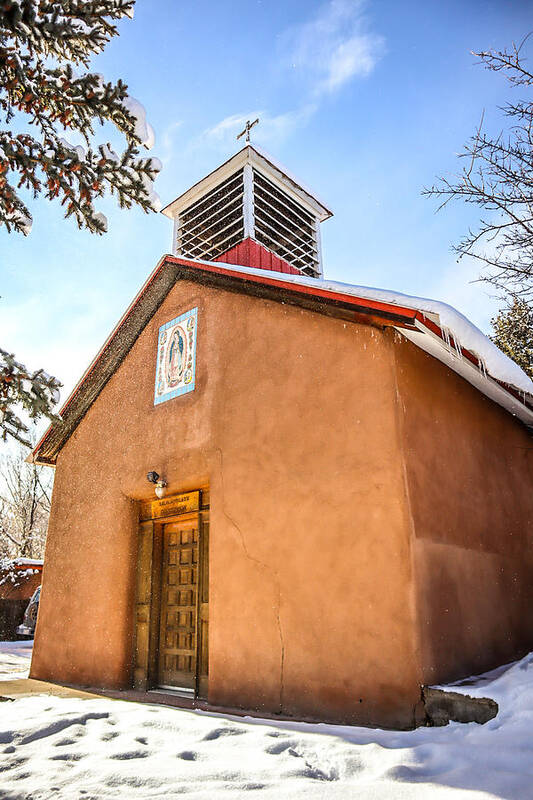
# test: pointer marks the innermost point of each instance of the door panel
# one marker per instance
(178, 635)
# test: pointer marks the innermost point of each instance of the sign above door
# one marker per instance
(171, 506)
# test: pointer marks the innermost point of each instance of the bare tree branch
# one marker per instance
(499, 178)
(24, 507)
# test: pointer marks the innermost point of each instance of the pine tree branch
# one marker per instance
(51, 96)
(59, 170)
(36, 392)
(68, 31)
(41, 42)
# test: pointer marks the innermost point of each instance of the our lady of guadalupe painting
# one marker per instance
(176, 357)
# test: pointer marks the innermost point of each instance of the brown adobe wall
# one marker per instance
(293, 423)
(470, 470)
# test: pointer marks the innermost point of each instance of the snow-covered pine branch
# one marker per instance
(43, 48)
(67, 30)
(36, 392)
(39, 44)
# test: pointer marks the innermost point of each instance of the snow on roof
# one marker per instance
(8, 564)
(437, 328)
(465, 333)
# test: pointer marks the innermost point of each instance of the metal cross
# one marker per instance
(249, 126)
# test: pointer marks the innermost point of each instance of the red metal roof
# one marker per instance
(399, 316)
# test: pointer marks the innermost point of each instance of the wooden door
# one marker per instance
(182, 661)
(179, 605)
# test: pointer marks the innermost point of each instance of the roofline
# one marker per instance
(410, 321)
(244, 156)
(140, 294)
(31, 458)
(470, 367)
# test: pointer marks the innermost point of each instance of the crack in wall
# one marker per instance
(273, 574)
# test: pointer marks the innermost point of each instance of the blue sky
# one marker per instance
(364, 101)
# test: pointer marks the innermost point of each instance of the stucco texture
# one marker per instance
(293, 424)
(370, 515)
(470, 470)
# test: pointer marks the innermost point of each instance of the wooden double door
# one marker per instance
(182, 660)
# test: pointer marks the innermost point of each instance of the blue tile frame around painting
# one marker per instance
(181, 389)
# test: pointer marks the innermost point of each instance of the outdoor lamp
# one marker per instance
(160, 484)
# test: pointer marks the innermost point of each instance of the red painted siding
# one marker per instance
(249, 253)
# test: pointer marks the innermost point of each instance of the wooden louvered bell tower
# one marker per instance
(250, 212)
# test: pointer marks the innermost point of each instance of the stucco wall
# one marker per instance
(293, 424)
(470, 471)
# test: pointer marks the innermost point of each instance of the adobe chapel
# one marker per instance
(280, 493)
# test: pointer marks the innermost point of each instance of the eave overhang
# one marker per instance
(417, 326)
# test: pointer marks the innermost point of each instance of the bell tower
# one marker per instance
(250, 211)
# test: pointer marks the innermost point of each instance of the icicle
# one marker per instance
(451, 343)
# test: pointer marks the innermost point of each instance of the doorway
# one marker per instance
(182, 663)
(172, 605)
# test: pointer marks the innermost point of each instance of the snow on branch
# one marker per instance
(39, 44)
(67, 30)
(142, 128)
(35, 392)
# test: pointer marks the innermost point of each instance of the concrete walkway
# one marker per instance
(25, 687)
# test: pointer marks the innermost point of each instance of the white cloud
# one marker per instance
(272, 130)
(335, 46)
(168, 143)
(329, 50)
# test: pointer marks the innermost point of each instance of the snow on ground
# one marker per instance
(99, 748)
(14, 660)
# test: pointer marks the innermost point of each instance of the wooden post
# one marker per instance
(143, 604)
